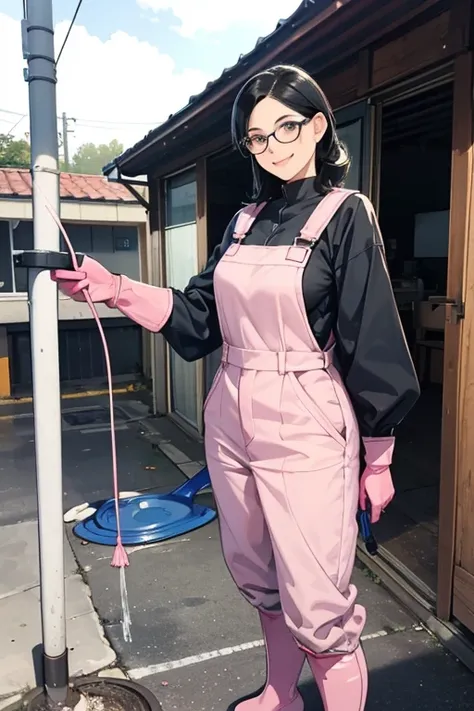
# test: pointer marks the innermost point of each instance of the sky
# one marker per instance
(129, 64)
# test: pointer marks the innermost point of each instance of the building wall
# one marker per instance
(418, 44)
(115, 246)
(81, 359)
(81, 356)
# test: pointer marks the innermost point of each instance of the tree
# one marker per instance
(90, 159)
(14, 153)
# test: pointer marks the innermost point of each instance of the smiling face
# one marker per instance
(283, 141)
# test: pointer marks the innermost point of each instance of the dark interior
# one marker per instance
(230, 184)
(415, 176)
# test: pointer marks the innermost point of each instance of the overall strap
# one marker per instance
(322, 216)
(246, 219)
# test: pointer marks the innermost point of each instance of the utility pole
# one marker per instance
(65, 141)
(38, 50)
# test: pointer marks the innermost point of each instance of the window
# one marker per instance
(6, 269)
(22, 239)
(181, 199)
(181, 265)
(116, 247)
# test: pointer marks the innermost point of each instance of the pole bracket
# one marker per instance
(43, 169)
(45, 259)
(42, 28)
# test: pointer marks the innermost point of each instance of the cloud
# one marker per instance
(119, 80)
(216, 15)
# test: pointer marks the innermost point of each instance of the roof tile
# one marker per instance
(16, 183)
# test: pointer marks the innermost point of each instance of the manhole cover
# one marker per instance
(98, 695)
(117, 695)
(92, 416)
(104, 697)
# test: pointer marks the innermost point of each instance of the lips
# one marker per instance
(284, 161)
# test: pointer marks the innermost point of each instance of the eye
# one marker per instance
(256, 139)
(289, 126)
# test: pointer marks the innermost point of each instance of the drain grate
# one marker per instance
(93, 416)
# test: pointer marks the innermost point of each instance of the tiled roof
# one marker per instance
(16, 183)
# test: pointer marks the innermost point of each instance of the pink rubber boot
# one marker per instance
(284, 664)
(342, 680)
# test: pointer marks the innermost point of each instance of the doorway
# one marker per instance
(414, 213)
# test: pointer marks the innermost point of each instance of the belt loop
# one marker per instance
(225, 354)
(281, 360)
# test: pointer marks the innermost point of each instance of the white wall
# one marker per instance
(14, 309)
(103, 241)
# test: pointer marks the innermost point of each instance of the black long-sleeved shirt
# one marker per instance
(347, 291)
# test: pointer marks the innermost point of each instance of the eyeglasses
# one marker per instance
(285, 133)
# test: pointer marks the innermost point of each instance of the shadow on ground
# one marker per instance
(427, 679)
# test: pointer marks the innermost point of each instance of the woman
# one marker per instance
(314, 357)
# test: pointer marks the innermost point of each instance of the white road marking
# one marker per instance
(195, 659)
(376, 635)
(153, 669)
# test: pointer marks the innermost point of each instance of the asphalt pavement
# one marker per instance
(195, 642)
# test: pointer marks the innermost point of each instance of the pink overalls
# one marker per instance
(282, 444)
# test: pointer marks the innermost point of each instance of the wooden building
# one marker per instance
(399, 74)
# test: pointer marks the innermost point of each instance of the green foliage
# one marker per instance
(14, 153)
(90, 159)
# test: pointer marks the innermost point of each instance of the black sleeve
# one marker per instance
(370, 342)
(192, 329)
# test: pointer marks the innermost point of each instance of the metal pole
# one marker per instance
(38, 41)
(65, 142)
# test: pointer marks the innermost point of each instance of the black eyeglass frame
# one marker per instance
(245, 141)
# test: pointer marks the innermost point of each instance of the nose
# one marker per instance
(270, 143)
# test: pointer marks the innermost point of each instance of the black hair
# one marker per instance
(296, 89)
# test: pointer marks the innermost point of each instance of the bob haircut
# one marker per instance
(296, 89)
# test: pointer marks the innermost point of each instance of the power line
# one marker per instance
(98, 121)
(120, 123)
(88, 127)
(16, 124)
(13, 113)
(69, 30)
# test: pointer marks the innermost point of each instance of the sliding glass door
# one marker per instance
(181, 264)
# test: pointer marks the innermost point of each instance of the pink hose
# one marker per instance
(120, 557)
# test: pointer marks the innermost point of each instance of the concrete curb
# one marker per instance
(187, 466)
(12, 703)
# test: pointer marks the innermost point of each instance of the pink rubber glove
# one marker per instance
(376, 481)
(149, 306)
(99, 282)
